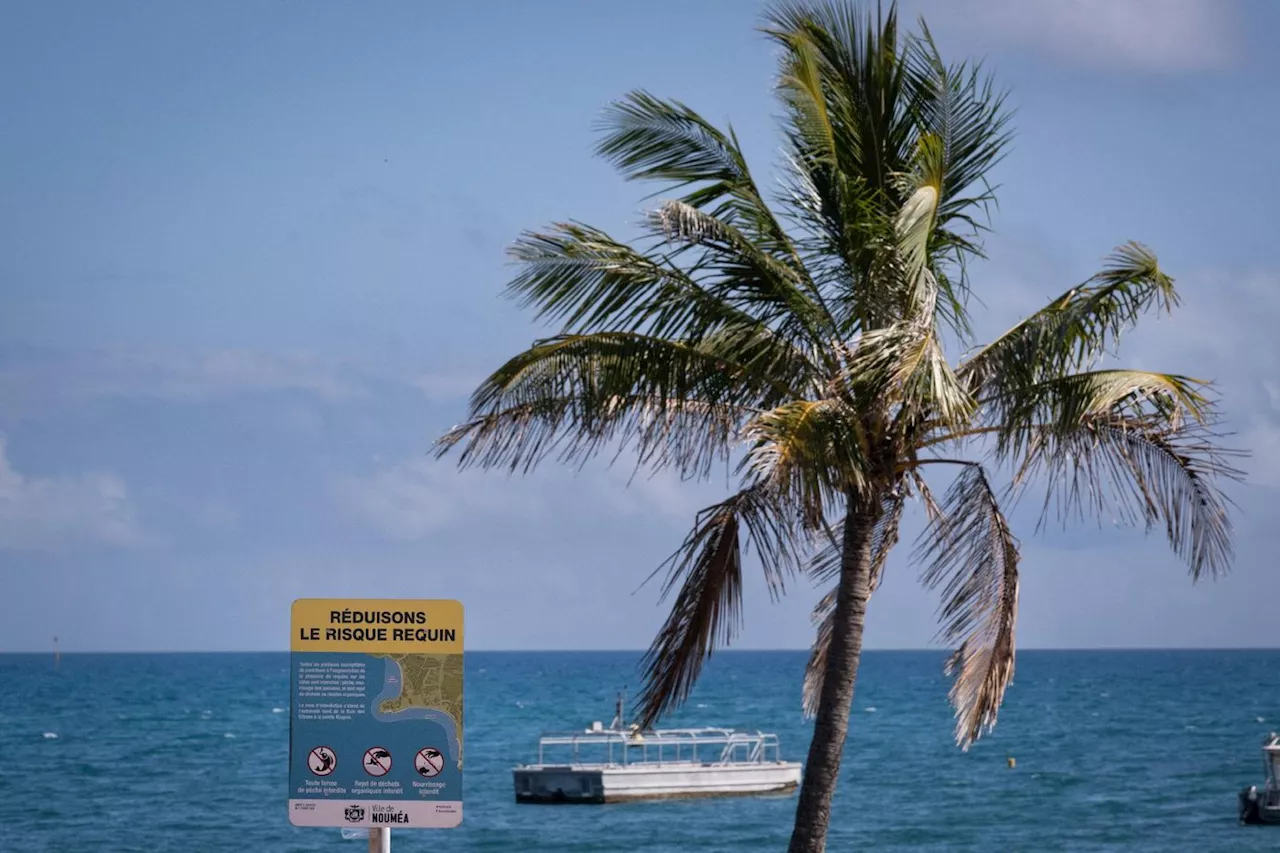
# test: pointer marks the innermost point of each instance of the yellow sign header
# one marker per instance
(373, 626)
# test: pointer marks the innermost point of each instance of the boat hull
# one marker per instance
(1257, 808)
(612, 784)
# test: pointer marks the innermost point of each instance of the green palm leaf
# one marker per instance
(739, 272)
(590, 282)
(1136, 468)
(812, 451)
(681, 404)
(1062, 404)
(648, 138)
(1074, 330)
(959, 107)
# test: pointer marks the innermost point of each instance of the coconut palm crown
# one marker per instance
(798, 340)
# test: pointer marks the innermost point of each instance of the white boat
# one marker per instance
(1263, 806)
(623, 763)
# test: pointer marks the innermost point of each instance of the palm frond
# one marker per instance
(970, 547)
(736, 269)
(959, 107)
(802, 87)
(915, 225)
(1074, 330)
(649, 138)
(902, 367)
(1140, 468)
(812, 451)
(706, 612)
(815, 670)
(583, 277)
(1062, 404)
(680, 404)
(850, 136)
(857, 60)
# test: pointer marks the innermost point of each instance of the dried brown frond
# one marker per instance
(970, 547)
(707, 571)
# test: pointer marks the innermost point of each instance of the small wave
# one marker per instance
(1261, 719)
(229, 736)
(519, 704)
(277, 710)
(870, 709)
(702, 704)
(50, 735)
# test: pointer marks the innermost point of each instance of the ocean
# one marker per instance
(1115, 750)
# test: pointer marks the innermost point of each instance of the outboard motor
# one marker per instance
(1249, 805)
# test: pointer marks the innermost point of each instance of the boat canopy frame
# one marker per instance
(672, 746)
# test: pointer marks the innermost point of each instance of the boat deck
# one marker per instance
(613, 765)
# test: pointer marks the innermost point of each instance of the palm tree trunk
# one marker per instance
(822, 768)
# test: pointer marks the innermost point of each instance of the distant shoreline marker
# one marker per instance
(57, 655)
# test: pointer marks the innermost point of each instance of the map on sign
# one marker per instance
(376, 717)
(430, 685)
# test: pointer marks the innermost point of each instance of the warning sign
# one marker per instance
(377, 761)
(429, 762)
(322, 761)
(372, 681)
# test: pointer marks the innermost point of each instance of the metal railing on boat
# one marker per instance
(671, 745)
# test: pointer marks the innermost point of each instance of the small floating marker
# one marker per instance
(1012, 762)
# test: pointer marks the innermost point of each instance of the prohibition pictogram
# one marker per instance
(428, 762)
(377, 761)
(322, 760)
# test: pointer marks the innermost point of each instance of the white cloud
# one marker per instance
(1154, 35)
(55, 512)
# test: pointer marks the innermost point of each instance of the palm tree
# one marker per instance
(801, 345)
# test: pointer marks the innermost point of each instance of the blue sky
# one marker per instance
(252, 252)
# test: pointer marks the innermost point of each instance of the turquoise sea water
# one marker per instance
(1134, 751)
